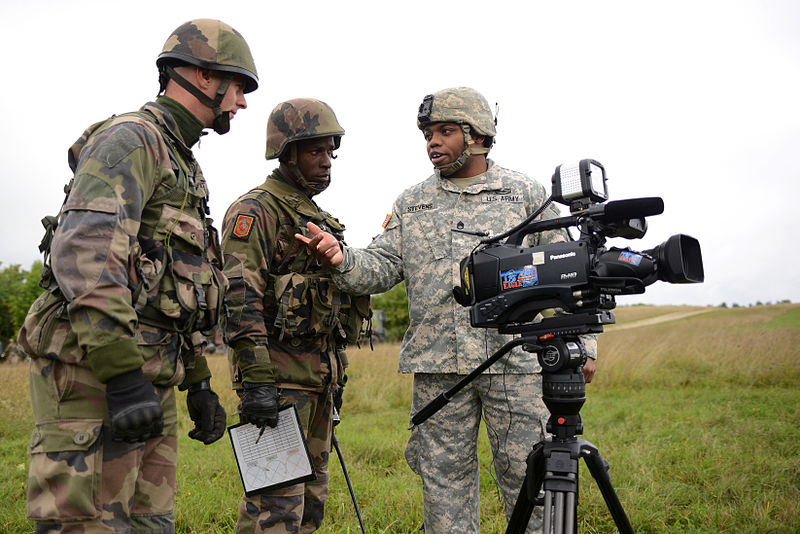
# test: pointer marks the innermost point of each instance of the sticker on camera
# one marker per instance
(516, 278)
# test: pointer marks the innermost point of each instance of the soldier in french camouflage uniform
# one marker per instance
(133, 280)
(421, 244)
(289, 324)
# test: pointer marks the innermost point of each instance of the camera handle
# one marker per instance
(436, 404)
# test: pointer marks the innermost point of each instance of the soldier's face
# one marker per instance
(314, 158)
(234, 99)
(445, 142)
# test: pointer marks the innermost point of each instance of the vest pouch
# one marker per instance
(354, 316)
(184, 292)
(46, 330)
(65, 473)
(160, 349)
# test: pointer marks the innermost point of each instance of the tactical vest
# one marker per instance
(301, 300)
(175, 275)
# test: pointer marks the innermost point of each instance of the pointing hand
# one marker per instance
(322, 245)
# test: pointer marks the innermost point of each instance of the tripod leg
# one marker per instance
(523, 508)
(599, 470)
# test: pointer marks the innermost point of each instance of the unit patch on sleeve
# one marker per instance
(241, 230)
(386, 220)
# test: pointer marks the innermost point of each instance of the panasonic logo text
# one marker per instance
(562, 256)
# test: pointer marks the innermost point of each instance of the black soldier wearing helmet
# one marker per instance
(289, 324)
(422, 245)
(133, 285)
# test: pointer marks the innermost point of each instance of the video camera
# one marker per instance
(507, 285)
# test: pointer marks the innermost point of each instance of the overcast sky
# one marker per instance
(696, 102)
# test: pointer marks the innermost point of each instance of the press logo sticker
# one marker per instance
(515, 278)
(244, 223)
(630, 257)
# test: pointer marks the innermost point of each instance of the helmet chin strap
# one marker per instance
(222, 119)
(452, 168)
(311, 188)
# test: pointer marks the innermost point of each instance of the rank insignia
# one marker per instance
(241, 230)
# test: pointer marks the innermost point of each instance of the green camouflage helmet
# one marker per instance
(298, 119)
(210, 44)
(461, 105)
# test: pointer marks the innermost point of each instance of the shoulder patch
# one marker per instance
(242, 227)
(386, 220)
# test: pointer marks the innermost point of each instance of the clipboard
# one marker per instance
(279, 459)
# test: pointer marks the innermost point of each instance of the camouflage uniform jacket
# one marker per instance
(276, 288)
(134, 257)
(418, 246)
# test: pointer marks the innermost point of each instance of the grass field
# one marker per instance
(698, 418)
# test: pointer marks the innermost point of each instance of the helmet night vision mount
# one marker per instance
(508, 285)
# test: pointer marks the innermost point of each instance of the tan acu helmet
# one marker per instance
(298, 119)
(462, 105)
(210, 44)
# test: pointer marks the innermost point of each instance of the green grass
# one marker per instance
(697, 417)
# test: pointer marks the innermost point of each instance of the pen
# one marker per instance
(261, 432)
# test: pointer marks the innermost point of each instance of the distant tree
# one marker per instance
(18, 289)
(394, 304)
(723, 305)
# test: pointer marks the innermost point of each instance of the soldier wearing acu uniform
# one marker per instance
(471, 193)
(133, 279)
(289, 324)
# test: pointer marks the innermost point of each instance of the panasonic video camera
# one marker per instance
(506, 285)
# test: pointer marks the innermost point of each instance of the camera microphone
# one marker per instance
(632, 208)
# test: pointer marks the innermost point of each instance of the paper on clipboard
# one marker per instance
(280, 458)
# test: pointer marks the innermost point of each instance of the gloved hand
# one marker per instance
(133, 408)
(259, 404)
(206, 412)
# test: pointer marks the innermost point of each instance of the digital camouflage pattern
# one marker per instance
(462, 105)
(443, 450)
(301, 118)
(418, 246)
(211, 44)
(299, 508)
(76, 474)
(135, 279)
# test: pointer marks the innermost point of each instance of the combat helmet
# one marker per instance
(298, 120)
(464, 106)
(208, 44)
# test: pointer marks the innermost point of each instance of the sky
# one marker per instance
(697, 102)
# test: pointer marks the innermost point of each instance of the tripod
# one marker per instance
(552, 464)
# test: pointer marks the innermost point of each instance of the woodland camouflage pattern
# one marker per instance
(211, 44)
(301, 118)
(262, 266)
(282, 510)
(280, 331)
(134, 281)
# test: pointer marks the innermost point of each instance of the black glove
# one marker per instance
(206, 412)
(133, 408)
(259, 404)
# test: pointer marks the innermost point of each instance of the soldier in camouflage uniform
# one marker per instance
(289, 324)
(471, 193)
(133, 278)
